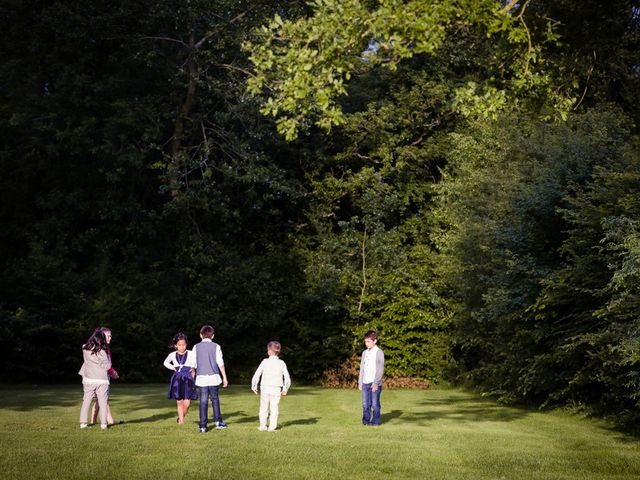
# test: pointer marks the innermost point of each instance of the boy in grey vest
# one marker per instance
(210, 373)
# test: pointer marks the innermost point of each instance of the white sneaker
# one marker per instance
(104, 427)
(84, 425)
(262, 429)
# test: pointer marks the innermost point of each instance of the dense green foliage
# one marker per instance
(475, 200)
(141, 187)
(539, 228)
(306, 62)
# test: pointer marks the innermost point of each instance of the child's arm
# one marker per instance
(168, 362)
(220, 363)
(256, 378)
(287, 379)
(112, 371)
(103, 360)
(191, 362)
(194, 365)
(377, 380)
(224, 376)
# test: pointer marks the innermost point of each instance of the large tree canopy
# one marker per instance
(303, 64)
(460, 175)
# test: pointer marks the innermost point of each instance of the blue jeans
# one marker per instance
(205, 393)
(370, 405)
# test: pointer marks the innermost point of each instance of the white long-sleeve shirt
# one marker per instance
(171, 362)
(371, 366)
(274, 373)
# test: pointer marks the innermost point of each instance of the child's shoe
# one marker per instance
(221, 425)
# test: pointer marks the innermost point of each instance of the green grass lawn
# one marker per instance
(432, 434)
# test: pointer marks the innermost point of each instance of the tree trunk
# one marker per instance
(183, 114)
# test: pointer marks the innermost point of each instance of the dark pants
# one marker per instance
(370, 405)
(205, 393)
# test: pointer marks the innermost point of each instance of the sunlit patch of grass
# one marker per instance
(431, 434)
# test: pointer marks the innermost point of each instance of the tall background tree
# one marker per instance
(142, 189)
(474, 198)
(515, 119)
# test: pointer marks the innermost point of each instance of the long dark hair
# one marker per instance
(97, 341)
(176, 338)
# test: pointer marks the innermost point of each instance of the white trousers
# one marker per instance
(269, 406)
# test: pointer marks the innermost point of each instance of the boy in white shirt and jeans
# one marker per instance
(370, 380)
(275, 382)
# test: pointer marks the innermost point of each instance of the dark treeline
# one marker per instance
(142, 189)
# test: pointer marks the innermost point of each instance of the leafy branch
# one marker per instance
(302, 66)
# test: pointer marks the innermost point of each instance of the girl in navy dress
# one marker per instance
(182, 387)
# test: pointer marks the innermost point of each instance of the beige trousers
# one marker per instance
(101, 393)
(269, 406)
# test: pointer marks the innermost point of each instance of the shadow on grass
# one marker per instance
(387, 417)
(303, 391)
(466, 410)
(153, 418)
(33, 397)
(26, 398)
(229, 418)
(242, 417)
(301, 421)
(150, 403)
(239, 417)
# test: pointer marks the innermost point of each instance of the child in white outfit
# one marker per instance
(275, 382)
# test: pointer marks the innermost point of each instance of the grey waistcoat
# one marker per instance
(206, 358)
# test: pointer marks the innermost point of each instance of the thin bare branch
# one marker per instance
(200, 42)
(240, 15)
(529, 47)
(167, 39)
(586, 85)
(416, 142)
(364, 269)
(233, 67)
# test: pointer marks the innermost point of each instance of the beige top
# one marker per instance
(274, 373)
(95, 366)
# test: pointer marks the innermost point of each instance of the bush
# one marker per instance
(346, 376)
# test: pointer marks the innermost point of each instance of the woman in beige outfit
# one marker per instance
(95, 379)
(95, 409)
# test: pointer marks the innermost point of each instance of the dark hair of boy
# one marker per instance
(372, 334)
(206, 331)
